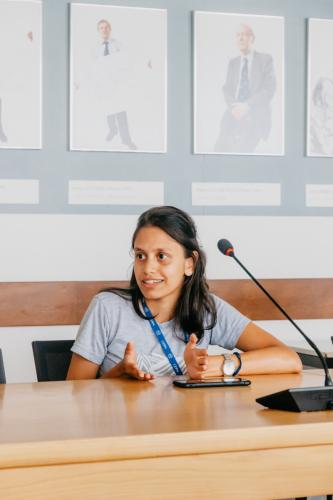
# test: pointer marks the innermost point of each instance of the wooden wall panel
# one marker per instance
(310, 298)
(64, 302)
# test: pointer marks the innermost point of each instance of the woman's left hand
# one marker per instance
(196, 360)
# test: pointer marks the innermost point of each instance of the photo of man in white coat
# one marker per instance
(248, 91)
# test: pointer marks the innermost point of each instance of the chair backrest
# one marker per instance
(2, 370)
(52, 359)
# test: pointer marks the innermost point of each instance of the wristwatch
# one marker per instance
(228, 366)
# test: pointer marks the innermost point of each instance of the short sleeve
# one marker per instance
(92, 338)
(230, 324)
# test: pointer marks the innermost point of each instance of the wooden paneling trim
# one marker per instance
(47, 303)
(64, 302)
(307, 298)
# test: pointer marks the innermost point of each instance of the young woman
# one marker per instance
(163, 323)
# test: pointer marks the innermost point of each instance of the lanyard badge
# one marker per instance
(160, 337)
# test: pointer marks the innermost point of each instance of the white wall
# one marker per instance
(97, 247)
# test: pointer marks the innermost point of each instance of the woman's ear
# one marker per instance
(190, 263)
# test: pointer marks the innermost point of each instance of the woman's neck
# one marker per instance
(162, 309)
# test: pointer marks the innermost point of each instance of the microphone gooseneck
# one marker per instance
(227, 249)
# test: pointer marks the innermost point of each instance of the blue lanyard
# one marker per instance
(160, 337)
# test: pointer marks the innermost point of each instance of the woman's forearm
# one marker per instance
(115, 371)
(275, 359)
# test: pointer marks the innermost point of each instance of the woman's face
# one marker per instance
(160, 265)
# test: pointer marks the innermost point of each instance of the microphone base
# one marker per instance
(300, 399)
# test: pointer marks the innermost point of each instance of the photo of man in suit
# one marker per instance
(248, 91)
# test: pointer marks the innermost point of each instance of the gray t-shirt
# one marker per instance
(110, 322)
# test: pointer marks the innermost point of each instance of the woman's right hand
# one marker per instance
(196, 360)
(128, 366)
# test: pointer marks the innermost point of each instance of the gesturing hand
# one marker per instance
(196, 360)
(128, 365)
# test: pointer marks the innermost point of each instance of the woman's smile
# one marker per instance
(151, 283)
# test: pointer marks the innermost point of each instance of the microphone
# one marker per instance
(299, 398)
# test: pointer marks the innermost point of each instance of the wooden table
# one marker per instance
(126, 439)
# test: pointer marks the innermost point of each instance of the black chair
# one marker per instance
(52, 359)
(2, 370)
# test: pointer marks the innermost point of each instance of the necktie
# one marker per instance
(244, 84)
(106, 48)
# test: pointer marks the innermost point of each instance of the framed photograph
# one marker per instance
(21, 74)
(238, 84)
(118, 80)
(320, 88)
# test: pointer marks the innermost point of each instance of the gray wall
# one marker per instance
(54, 165)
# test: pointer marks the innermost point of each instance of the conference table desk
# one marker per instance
(126, 439)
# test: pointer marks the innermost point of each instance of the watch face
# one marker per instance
(228, 367)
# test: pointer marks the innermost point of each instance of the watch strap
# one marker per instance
(238, 369)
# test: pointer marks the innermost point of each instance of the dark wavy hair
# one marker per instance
(195, 303)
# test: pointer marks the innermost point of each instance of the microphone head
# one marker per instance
(226, 248)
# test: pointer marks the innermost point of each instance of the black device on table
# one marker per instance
(212, 382)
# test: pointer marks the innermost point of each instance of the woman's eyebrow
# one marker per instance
(167, 250)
